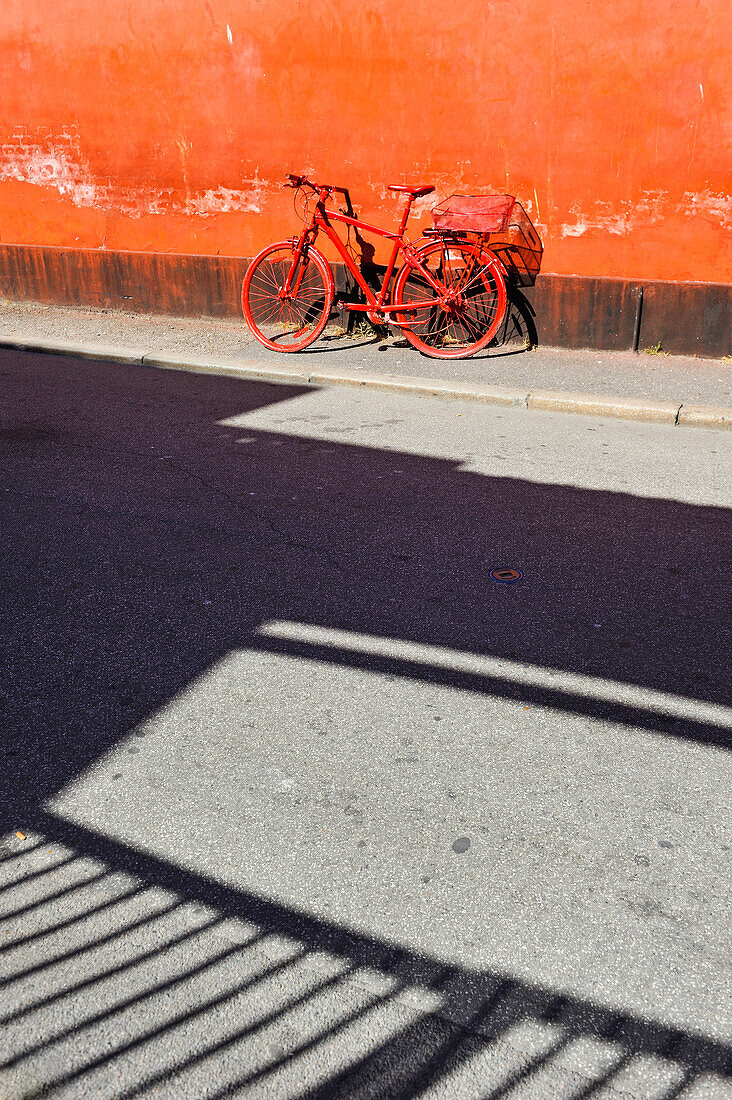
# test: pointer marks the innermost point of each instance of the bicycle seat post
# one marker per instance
(412, 193)
(405, 215)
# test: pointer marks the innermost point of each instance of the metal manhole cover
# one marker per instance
(506, 576)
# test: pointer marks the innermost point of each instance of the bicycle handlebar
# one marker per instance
(303, 181)
(296, 181)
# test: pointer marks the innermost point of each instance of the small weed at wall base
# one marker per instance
(655, 349)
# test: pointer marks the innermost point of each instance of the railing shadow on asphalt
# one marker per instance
(148, 537)
(178, 983)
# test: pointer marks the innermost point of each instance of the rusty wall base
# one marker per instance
(567, 310)
(143, 282)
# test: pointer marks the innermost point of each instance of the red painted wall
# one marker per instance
(168, 125)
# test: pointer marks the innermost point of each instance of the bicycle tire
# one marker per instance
(473, 321)
(293, 323)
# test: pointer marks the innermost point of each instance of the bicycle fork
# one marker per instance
(297, 269)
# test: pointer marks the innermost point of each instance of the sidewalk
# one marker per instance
(667, 389)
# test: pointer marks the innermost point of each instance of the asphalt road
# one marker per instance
(312, 806)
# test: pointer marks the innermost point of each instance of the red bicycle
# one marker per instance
(448, 296)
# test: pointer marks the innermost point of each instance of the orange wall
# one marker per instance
(169, 124)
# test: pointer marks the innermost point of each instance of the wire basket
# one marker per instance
(504, 225)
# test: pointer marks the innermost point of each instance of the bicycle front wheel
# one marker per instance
(287, 319)
(473, 316)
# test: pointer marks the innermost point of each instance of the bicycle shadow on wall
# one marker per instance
(516, 334)
(160, 540)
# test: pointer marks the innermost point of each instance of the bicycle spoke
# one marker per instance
(261, 297)
(465, 324)
(314, 297)
(472, 325)
(484, 308)
(480, 273)
(291, 315)
(455, 338)
(268, 308)
(267, 274)
(432, 328)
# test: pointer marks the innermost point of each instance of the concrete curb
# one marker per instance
(674, 413)
(598, 404)
(705, 416)
(105, 352)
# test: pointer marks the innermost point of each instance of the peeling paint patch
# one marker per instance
(709, 204)
(58, 165)
(577, 230)
(604, 217)
(224, 200)
(650, 209)
(49, 166)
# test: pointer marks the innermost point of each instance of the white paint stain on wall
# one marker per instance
(578, 228)
(48, 166)
(58, 165)
(713, 205)
(650, 209)
(225, 200)
(607, 218)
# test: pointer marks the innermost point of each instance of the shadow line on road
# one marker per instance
(481, 1010)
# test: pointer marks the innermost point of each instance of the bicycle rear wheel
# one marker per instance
(471, 320)
(287, 322)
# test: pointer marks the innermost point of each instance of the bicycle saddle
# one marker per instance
(415, 192)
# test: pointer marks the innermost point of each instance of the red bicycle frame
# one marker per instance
(321, 220)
